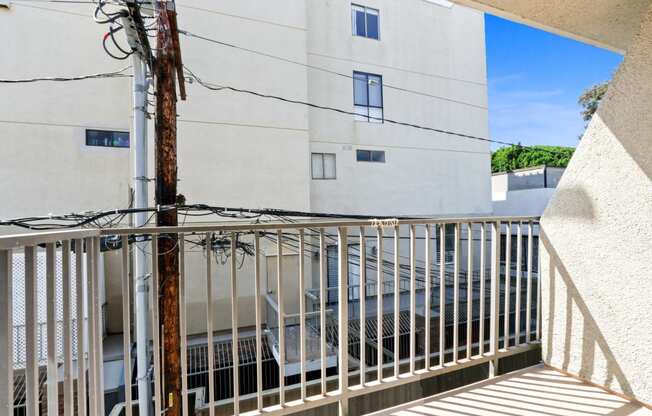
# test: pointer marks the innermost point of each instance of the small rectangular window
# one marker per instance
(370, 156)
(107, 138)
(368, 97)
(323, 165)
(365, 21)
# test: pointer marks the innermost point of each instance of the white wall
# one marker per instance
(597, 239)
(425, 173)
(242, 151)
(524, 191)
(526, 202)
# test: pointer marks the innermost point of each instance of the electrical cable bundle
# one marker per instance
(112, 218)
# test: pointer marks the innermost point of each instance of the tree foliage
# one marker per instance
(518, 157)
(590, 99)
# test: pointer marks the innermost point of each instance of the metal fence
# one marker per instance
(412, 329)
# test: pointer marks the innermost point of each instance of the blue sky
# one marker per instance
(534, 80)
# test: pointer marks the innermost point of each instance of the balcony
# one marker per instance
(457, 299)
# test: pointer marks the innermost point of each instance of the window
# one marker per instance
(368, 97)
(370, 156)
(323, 165)
(105, 138)
(365, 22)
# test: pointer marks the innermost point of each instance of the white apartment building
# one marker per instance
(54, 161)
(67, 145)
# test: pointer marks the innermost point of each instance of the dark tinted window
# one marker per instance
(106, 138)
(365, 21)
(359, 24)
(363, 156)
(372, 25)
(370, 156)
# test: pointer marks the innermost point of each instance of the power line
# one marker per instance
(317, 68)
(217, 87)
(114, 74)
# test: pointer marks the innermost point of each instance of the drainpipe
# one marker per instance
(141, 289)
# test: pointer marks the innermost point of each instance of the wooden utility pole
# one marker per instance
(167, 69)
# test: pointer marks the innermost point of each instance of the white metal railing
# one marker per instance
(434, 354)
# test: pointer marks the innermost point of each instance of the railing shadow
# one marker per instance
(591, 335)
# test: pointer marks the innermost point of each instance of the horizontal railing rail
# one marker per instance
(437, 310)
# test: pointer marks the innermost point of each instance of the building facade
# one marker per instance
(364, 58)
(69, 145)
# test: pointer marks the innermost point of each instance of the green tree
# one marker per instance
(590, 99)
(518, 157)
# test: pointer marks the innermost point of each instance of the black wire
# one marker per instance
(385, 85)
(341, 111)
(110, 35)
(115, 74)
(77, 220)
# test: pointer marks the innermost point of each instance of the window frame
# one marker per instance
(368, 106)
(371, 159)
(87, 144)
(323, 166)
(366, 31)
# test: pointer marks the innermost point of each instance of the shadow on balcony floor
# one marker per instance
(533, 391)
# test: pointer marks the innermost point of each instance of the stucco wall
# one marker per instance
(530, 202)
(425, 172)
(597, 235)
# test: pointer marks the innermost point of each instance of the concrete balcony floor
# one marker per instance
(533, 391)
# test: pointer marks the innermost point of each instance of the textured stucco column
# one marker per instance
(597, 239)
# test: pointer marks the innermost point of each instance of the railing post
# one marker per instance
(495, 297)
(31, 311)
(413, 299)
(82, 333)
(427, 306)
(442, 294)
(539, 311)
(302, 313)
(126, 322)
(99, 325)
(209, 324)
(68, 389)
(517, 306)
(379, 302)
(397, 300)
(528, 299)
(456, 293)
(183, 325)
(6, 334)
(483, 266)
(343, 325)
(258, 311)
(363, 307)
(469, 291)
(235, 354)
(281, 316)
(508, 282)
(90, 322)
(322, 308)
(51, 319)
